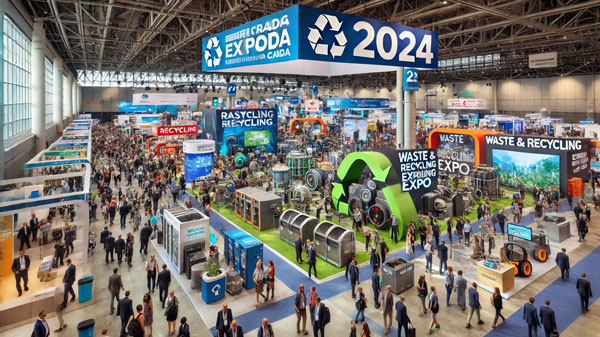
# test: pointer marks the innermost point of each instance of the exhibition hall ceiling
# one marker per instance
(478, 39)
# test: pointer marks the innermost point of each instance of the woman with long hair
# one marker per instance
(422, 292)
(497, 303)
(258, 277)
(148, 312)
(366, 332)
(270, 273)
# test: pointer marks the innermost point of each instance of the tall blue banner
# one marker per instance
(231, 89)
(241, 128)
(301, 33)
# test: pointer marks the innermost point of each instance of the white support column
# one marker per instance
(399, 108)
(38, 86)
(79, 101)
(73, 98)
(410, 117)
(57, 93)
(67, 99)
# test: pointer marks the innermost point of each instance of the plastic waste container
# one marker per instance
(197, 271)
(86, 328)
(399, 274)
(85, 287)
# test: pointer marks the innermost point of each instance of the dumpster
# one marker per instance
(399, 274)
(303, 225)
(340, 246)
(86, 328)
(284, 225)
(320, 234)
(85, 286)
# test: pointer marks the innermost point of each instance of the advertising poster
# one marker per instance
(355, 129)
(456, 153)
(467, 103)
(165, 99)
(526, 168)
(418, 169)
(249, 128)
(519, 231)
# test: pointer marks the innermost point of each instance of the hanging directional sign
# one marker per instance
(312, 41)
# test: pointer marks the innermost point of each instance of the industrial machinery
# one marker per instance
(444, 202)
(316, 178)
(301, 195)
(281, 178)
(255, 207)
(299, 162)
(516, 255)
(485, 182)
(556, 227)
(379, 213)
(536, 242)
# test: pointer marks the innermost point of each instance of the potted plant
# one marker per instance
(213, 282)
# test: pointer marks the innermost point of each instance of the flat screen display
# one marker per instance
(519, 231)
(528, 169)
(257, 138)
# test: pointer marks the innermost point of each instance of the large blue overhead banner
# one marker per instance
(312, 41)
(357, 103)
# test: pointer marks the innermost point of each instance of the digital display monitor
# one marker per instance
(257, 138)
(531, 170)
(519, 231)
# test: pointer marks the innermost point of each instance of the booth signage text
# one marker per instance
(543, 60)
(165, 99)
(456, 153)
(312, 105)
(539, 143)
(176, 130)
(358, 103)
(231, 90)
(411, 79)
(247, 118)
(467, 103)
(419, 169)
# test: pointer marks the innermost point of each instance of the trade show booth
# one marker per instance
(199, 155)
(186, 231)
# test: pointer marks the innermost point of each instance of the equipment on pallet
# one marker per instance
(516, 255)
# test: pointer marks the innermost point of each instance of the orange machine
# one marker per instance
(294, 121)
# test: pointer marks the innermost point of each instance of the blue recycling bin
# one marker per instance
(86, 328)
(85, 286)
(213, 288)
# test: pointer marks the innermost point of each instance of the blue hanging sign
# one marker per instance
(231, 90)
(411, 79)
(314, 89)
(357, 103)
(311, 41)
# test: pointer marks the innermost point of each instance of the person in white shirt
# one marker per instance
(151, 271)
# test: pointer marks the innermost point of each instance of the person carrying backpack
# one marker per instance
(135, 328)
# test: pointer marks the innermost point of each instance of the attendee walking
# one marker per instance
(138, 321)
(265, 329)
(434, 307)
(428, 256)
(125, 311)
(259, 276)
(41, 328)
(235, 330)
(360, 304)
(298, 247)
(467, 232)
(375, 260)
(270, 276)
(354, 275)
(312, 259)
(387, 309)
(68, 281)
(148, 313)
(224, 319)
(171, 311)
(422, 292)
(20, 267)
(448, 282)
(300, 307)
(461, 290)
(474, 306)
(496, 301)
(312, 303)
(394, 230)
(115, 285)
(366, 331)
(23, 236)
(383, 249)
(119, 248)
(151, 272)
(319, 323)
(145, 234)
(164, 281)
(401, 318)
(531, 318)
(562, 260)
(109, 246)
(376, 286)
(548, 320)
(585, 292)
(443, 255)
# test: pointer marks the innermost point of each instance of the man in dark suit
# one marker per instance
(548, 319)
(34, 223)
(125, 310)
(23, 236)
(68, 280)
(41, 329)
(103, 236)
(387, 309)
(562, 260)
(123, 210)
(298, 246)
(224, 318)
(264, 327)
(531, 318)
(443, 255)
(20, 267)
(109, 246)
(235, 330)
(354, 275)
(119, 249)
(312, 259)
(115, 285)
(300, 307)
(319, 323)
(383, 249)
(402, 317)
(145, 233)
(164, 281)
(69, 237)
(585, 292)
(376, 287)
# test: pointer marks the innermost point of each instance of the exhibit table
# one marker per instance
(503, 277)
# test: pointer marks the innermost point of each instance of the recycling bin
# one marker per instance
(399, 274)
(85, 285)
(213, 288)
(86, 328)
(197, 271)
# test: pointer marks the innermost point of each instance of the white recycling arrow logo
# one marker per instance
(215, 289)
(314, 36)
(213, 59)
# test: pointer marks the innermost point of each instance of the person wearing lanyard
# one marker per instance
(151, 269)
(236, 330)
(300, 306)
(20, 267)
(41, 329)
(319, 325)
(265, 329)
(224, 318)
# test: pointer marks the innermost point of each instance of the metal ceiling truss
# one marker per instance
(166, 35)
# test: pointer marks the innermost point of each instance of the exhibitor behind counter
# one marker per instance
(241, 129)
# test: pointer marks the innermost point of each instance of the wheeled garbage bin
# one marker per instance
(85, 285)
(86, 328)
(399, 274)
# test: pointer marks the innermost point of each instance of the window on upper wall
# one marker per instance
(49, 91)
(17, 81)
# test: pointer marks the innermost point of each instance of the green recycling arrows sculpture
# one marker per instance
(350, 171)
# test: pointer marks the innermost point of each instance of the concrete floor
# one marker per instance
(451, 319)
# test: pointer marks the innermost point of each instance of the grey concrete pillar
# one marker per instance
(399, 108)
(57, 93)
(38, 86)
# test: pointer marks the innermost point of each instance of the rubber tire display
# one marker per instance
(379, 211)
(540, 255)
(525, 268)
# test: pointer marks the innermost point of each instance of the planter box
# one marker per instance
(213, 288)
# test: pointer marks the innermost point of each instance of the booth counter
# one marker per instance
(185, 229)
(502, 277)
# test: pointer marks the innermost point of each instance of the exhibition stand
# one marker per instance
(199, 155)
(186, 231)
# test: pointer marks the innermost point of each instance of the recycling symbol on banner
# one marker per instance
(213, 59)
(314, 36)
